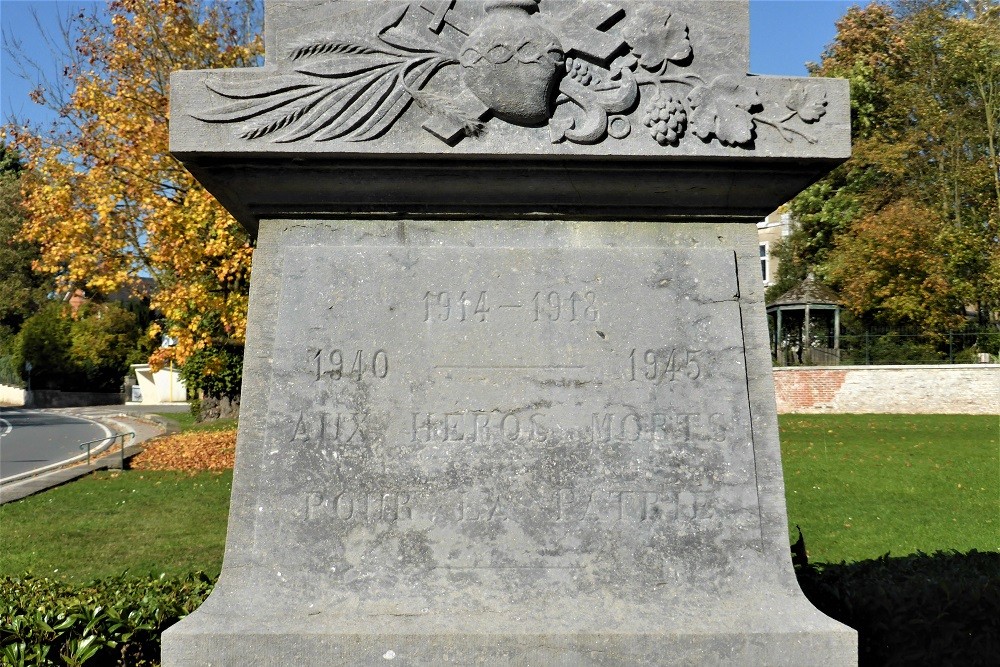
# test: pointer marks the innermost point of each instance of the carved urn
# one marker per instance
(512, 63)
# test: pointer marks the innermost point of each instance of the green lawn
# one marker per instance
(106, 523)
(184, 421)
(864, 485)
(859, 486)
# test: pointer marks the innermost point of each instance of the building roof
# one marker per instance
(810, 292)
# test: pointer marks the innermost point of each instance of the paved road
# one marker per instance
(30, 439)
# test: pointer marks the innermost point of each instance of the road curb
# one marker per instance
(67, 472)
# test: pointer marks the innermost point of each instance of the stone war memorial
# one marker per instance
(507, 393)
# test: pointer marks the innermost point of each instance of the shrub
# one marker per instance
(87, 352)
(937, 609)
(216, 375)
(111, 621)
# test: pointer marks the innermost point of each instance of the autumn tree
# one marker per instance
(921, 194)
(106, 202)
(22, 291)
(87, 350)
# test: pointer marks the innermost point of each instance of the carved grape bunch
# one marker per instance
(666, 119)
(579, 70)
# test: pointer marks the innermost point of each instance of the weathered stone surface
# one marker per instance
(496, 409)
(523, 441)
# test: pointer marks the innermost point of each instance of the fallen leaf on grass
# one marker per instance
(189, 452)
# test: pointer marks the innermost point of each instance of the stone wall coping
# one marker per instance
(894, 367)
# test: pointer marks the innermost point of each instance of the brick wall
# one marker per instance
(951, 389)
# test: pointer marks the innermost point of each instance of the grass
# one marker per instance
(858, 485)
(109, 522)
(184, 422)
(864, 485)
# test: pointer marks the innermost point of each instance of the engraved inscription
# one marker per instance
(542, 306)
(574, 307)
(332, 427)
(369, 507)
(497, 426)
(477, 426)
(603, 506)
(658, 427)
(475, 508)
(340, 364)
(631, 506)
(670, 364)
(463, 306)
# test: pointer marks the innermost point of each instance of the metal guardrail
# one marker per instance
(88, 445)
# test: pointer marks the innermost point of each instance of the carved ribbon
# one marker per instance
(596, 105)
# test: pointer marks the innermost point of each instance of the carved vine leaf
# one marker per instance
(723, 109)
(656, 38)
(808, 102)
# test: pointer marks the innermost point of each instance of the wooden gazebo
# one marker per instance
(796, 339)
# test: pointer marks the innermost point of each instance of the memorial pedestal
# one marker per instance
(507, 389)
(531, 442)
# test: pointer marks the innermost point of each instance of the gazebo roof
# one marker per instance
(807, 292)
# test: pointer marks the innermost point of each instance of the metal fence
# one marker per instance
(882, 347)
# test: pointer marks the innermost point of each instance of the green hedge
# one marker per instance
(938, 609)
(922, 609)
(114, 621)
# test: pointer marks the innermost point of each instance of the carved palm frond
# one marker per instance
(251, 107)
(395, 103)
(327, 48)
(346, 90)
(355, 101)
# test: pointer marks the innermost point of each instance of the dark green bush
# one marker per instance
(90, 351)
(114, 621)
(938, 609)
(922, 609)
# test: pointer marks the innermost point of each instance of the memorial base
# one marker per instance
(740, 632)
(507, 442)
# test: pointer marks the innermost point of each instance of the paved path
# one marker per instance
(120, 419)
(31, 439)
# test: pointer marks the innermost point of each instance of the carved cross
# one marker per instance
(439, 12)
(450, 130)
(583, 30)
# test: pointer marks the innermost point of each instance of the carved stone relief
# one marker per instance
(589, 75)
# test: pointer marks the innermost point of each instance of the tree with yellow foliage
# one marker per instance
(104, 199)
(908, 230)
